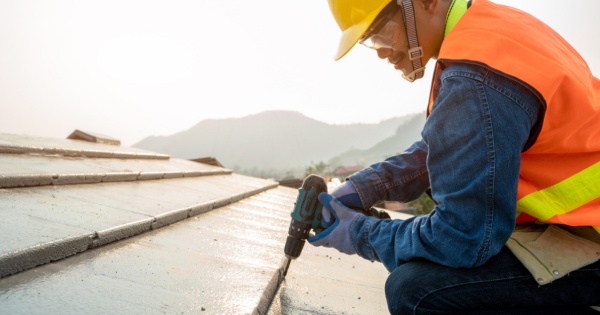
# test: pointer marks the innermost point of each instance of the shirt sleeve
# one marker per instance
(473, 137)
(402, 178)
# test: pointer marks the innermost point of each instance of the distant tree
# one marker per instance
(317, 169)
(335, 162)
(424, 204)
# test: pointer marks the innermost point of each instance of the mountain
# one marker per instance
(281, 140)
(406, 134)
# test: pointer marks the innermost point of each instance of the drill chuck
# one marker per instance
(305, 216)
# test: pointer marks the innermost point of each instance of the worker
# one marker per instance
(510, 152)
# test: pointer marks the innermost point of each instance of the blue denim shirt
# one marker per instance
(469, 156)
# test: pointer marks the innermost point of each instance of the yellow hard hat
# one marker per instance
(354, 18)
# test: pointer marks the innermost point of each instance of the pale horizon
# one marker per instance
(130, 69)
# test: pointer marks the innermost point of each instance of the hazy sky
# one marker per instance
(135, 68)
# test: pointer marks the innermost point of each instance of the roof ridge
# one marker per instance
(33, 180)
(89, 153)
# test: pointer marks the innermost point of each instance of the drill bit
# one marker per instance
(287, 265)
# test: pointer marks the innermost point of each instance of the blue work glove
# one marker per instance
(337, 221)
(347, 195)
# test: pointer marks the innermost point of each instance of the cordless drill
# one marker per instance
(305, 216)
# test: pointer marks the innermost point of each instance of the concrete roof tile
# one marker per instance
(208, 241)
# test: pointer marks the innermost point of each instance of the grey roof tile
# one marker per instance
(181, 237)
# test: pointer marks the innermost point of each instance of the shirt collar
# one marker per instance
(457, 9)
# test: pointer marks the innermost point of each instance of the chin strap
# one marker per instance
(415, 52)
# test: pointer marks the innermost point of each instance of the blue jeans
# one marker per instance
(500, 286)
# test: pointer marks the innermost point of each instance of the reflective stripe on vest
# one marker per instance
(564, 196)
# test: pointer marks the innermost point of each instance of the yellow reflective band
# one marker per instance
(457, 9)
(563, 197)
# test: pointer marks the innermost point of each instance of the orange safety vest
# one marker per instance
(559, 180)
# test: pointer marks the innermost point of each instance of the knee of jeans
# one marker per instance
(401, 289)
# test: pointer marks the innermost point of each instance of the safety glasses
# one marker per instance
(383, 33)
(384, 38)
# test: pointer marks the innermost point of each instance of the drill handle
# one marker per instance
(308, 209)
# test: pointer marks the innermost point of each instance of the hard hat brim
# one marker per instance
(353, 34)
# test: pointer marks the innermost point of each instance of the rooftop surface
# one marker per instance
(103, 229)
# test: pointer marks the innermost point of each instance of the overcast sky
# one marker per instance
(134, 68)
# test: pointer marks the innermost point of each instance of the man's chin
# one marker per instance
(401, 70)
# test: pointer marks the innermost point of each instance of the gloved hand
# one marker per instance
(337, 221)
(347, 195)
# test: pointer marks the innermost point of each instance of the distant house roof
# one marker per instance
(96, 228)
(208, 160)
(292, 182)
(93, 137)
(347, 170)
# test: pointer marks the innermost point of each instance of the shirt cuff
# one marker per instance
(368, 186)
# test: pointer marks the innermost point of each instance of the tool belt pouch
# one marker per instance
(550, 252)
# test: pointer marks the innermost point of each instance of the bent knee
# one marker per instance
(407, 286)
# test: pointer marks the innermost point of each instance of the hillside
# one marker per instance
(406, 134)
(279, 141)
